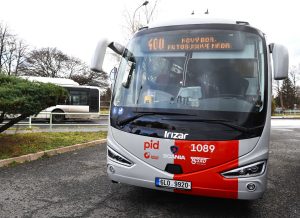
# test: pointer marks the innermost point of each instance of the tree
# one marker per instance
(105, 98)
(288, 94)
(12, 51)
(23, 98)
(17, 58)
(134, 20)
(45, 62)
(4, 36)
(51, 62)
(288, 90)
(294, 74)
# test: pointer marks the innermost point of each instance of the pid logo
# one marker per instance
(151, 145)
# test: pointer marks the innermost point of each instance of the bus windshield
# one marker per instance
(196, 70)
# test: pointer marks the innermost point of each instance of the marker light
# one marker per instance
(250, 170)
(116, 157)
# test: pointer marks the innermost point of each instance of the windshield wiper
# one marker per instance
(222, 122)
(130, 119)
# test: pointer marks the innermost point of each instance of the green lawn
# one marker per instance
(287, 115)
(26, 143)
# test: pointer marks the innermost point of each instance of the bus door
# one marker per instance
(78, 101)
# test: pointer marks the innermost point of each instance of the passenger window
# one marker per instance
(79, 97)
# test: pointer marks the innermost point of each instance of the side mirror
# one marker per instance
(98, 58)
(97, 61)
(280, 57)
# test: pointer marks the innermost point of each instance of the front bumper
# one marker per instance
(204, 183)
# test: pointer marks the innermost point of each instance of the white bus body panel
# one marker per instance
(143, 172)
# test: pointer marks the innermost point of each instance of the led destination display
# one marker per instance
(200, 41)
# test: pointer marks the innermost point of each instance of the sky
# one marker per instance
(75, 26)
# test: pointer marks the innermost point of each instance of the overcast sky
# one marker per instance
(74, 26)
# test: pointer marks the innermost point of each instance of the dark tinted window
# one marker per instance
(78, 97)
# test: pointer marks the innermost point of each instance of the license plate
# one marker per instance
(170, 183)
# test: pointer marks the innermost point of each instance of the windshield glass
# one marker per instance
(198, 70)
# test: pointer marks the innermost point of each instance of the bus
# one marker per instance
(191, 107)
(82, 99)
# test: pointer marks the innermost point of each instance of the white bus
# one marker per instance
(82, 99)
(191, 107)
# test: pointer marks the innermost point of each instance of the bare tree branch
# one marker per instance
(135, 19)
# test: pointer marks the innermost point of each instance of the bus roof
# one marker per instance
(61, 82)
(194, 20)
(56, 81)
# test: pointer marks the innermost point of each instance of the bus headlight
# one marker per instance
(116, 157)
(250, 170)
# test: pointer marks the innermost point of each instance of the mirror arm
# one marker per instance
(271, 47)
(117, 48)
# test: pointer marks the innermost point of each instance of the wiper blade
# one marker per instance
(130, 119)
(222, 122)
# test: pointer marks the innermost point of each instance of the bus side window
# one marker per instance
(79, 98)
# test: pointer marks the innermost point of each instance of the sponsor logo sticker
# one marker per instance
(199, 160)
(148, 155)
(174, 156)
(151, 145)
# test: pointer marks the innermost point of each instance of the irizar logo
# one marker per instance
(175, 135)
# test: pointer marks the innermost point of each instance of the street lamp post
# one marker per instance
(133, 21)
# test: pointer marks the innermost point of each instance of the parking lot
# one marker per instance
(75, 185)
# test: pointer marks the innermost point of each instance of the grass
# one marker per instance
(286, 115)
(24, 128)
(104, 111)
(26, 143)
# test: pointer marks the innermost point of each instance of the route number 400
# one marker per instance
(202, 148)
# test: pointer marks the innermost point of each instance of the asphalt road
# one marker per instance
(75, 185)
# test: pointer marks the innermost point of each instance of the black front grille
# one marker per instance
(174, 169)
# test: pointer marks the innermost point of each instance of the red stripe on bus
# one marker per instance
(202, 164)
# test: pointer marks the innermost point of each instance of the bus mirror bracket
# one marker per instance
(126, 82)
(113, 74)
(280, 57)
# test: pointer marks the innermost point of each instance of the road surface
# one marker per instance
(76, 185)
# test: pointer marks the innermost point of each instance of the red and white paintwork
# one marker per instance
(150, 162)
(206, 179)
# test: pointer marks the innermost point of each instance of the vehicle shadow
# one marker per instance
(154, 203)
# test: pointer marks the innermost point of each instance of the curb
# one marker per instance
(52, 152)
(285, 118)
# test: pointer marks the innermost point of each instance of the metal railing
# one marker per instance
(287, 112)
(52, 123)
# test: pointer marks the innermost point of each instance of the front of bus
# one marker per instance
(189, 111)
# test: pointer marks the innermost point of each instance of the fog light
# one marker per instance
(111, 169)
(251, 187)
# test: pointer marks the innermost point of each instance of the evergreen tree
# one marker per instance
(22, 98)
(288, 91)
